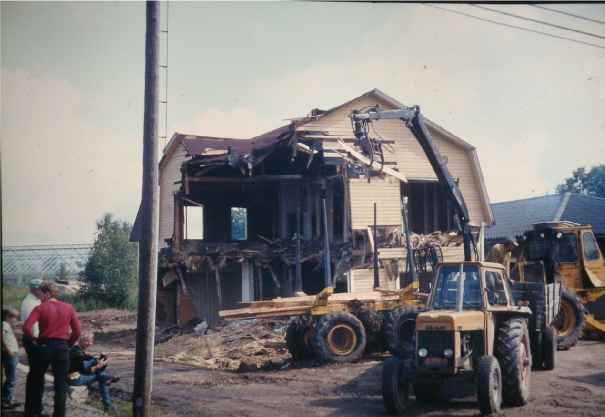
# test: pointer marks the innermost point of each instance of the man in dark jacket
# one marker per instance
(84, 369)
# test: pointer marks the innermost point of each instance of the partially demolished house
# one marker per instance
(231, 210)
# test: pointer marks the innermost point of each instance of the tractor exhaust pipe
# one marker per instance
(460, 289)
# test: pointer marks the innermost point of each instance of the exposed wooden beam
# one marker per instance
(257, 179)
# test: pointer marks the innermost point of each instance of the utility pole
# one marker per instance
(148, 254)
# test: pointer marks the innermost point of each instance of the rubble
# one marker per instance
(244, 345)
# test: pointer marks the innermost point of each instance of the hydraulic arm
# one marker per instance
(415, 122)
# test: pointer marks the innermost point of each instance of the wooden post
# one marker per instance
(148, 253)
(376, 271)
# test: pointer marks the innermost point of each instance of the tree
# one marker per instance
(110, 273)
(62, 273)
(586, 183)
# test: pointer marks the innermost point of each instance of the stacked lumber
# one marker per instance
(294, 306)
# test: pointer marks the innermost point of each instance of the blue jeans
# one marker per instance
(10, 371)
(89, 379)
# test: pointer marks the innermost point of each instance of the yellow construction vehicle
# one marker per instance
(566, 252)
(476, 330)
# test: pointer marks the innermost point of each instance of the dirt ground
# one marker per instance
(201, 373)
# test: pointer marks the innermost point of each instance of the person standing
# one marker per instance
(29, 303)
(10, 357)
(500, 253)
(54, 318)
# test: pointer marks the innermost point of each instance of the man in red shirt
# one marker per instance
(54, 319)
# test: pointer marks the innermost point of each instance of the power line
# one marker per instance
(537, 21)
(515, 27)
(568, 14)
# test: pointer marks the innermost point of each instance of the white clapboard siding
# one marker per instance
(169, 174)
(384, 192)
(363, 280)
(407, 154)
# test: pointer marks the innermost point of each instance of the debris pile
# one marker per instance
(238, 345)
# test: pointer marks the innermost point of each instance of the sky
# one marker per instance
(72, 90)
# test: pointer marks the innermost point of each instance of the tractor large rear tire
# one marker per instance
(571, 320)
(488, 384)
(549, 348)
(398, 329)
(395, 388)
(339, 337)
(513, 353)
(298, 341)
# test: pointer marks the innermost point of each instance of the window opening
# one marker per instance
(194, 222)
(496, 295)
(239, 223)
(590, 247)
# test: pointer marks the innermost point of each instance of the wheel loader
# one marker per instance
(478, 329)
(566, 252)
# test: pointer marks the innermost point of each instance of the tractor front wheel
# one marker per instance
(488, 384)
(395, 387)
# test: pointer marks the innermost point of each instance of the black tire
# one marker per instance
(570, 321)
(488, 384)
(513, 352)
(395, 388)
(537, 351)
(339, 337)
(549, 346)
(398, 330)
(298, 341)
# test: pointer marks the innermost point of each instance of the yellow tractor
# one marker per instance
(566, 252)
(477, 330)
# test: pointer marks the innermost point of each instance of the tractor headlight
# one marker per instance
(422, 352)
(448, 353)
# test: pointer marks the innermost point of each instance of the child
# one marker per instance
(10, 357)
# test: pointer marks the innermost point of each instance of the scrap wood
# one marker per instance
(261, 312)
(180, 274)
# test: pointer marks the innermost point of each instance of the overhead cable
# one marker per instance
(512, 26)
(537, 21)
(568, 14)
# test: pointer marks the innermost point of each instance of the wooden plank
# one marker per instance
(374, 164)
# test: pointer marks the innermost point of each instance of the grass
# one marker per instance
(163, 353)
(187, 359)
(123, 407)
(82, 305)
(13, 295)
